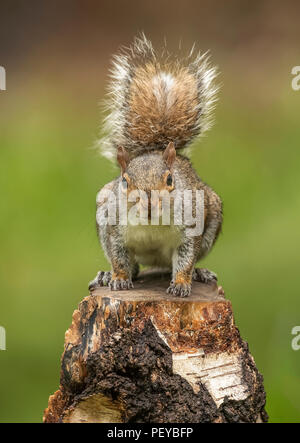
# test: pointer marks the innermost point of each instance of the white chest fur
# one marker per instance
(153, 245)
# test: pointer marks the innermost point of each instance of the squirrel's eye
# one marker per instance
(124, 182)
(169, 180)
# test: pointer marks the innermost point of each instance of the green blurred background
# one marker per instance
(57, 55)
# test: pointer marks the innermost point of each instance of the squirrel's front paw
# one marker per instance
(179, 289)
(102, 279)
(120, 284)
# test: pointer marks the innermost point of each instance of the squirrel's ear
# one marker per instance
(122, 158)
(169, 154)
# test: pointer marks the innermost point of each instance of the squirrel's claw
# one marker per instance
(102, 279)
(179, 289)
(120, 284)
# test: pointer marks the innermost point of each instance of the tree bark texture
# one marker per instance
(145, 356)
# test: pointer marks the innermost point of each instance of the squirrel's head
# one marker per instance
(150, 171)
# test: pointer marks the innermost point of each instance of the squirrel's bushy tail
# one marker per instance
(154, 100)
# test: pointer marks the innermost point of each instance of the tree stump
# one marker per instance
(145, 356)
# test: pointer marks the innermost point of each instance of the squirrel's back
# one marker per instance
(153, 100)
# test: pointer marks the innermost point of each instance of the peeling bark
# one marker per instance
(144, 356)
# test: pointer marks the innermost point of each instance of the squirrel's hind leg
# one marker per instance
(204, 275)
(135, 269)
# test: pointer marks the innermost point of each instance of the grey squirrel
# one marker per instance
(157, 107)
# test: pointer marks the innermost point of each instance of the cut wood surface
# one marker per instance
(145, 356)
